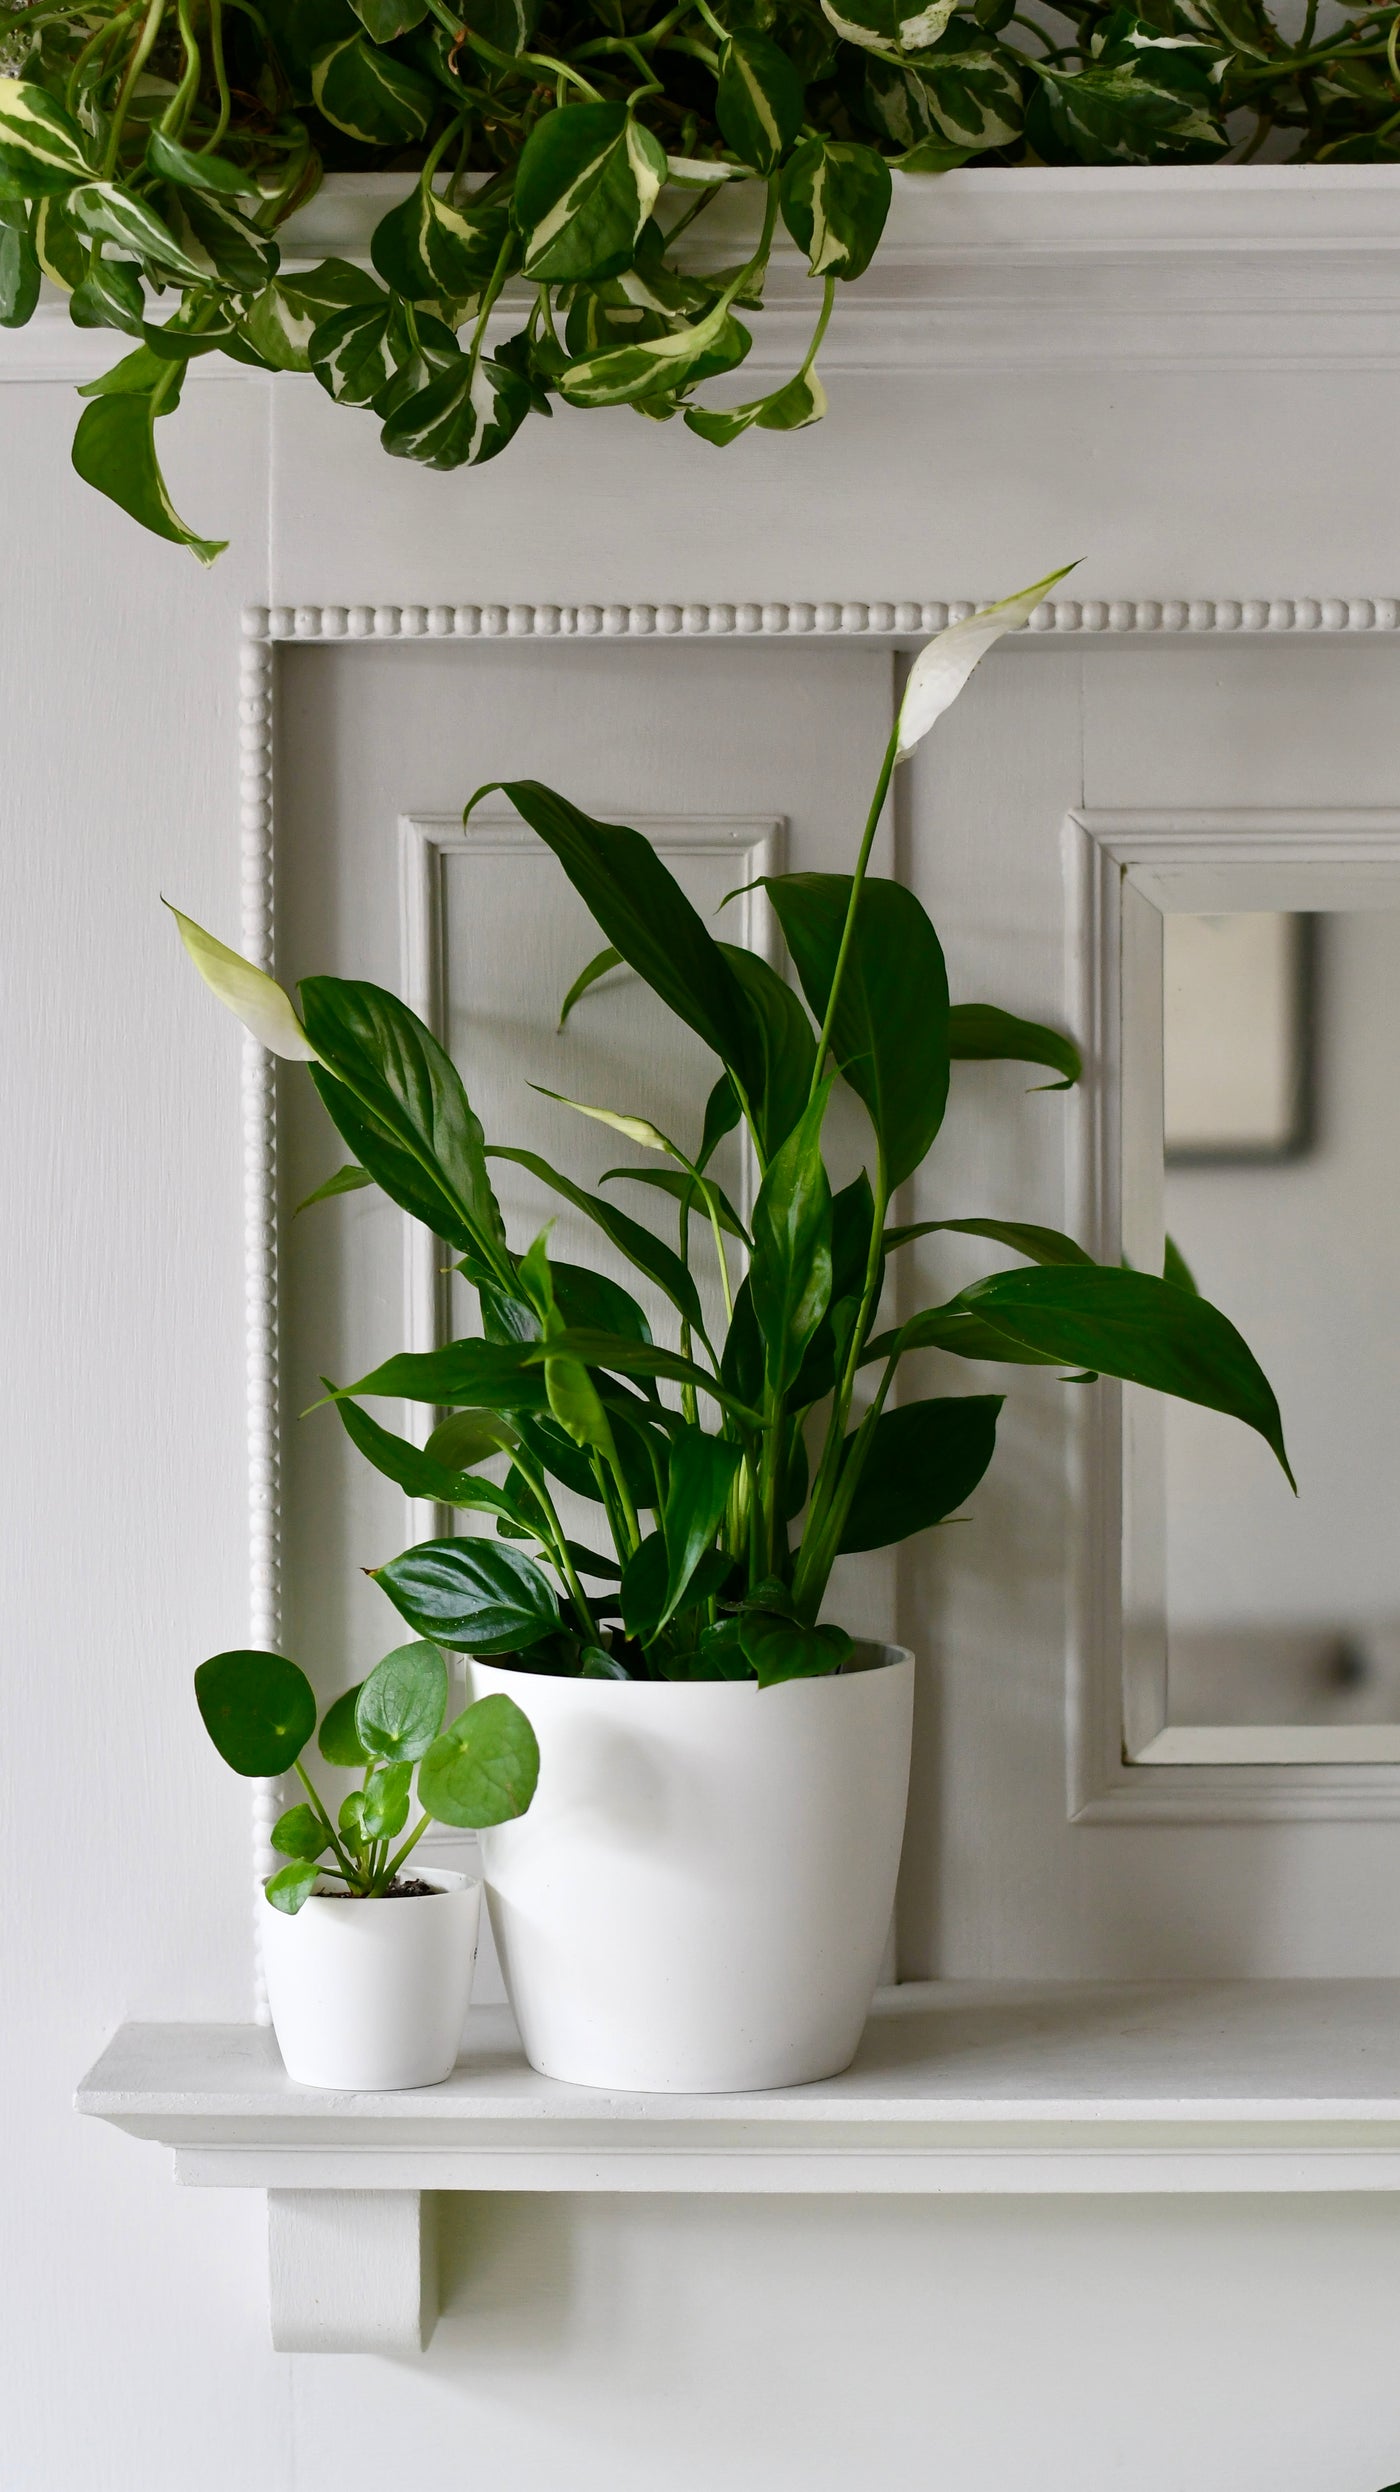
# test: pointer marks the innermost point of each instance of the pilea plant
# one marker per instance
(260, 1712)
(722, 1535)
(153, 148)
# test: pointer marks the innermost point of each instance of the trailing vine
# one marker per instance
(557, 158)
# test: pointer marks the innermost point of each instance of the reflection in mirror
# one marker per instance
(1281, 1126)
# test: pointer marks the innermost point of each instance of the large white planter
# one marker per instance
(699, 1895)
(369, 1997)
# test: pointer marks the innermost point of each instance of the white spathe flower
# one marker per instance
(254, 998)
(942, 668)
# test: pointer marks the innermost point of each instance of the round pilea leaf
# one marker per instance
(484, 1768)
(399, 1710)
(257, 1708)
(287, 1889)
(337, 1738)
(299, 1834)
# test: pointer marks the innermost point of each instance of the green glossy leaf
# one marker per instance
(759, 101)
(385, 20)
(460, 418)
(289, 1888)
(511, 24)
(643, 1589)
(470, 1375)
(955, 1329)
(114, 449)
(384, 1801)
(800, 401)
(639, 1358)
(110, 297)
(594, 1663)
(836, 197)
(722, 1113)
(484, 1768)
(399, 1710)
(40, 142)
(399, 1076)
(197, 170)
(786, 1050)
(110, 214)
(337, 1738)
(890, 1035)
(574, 1400)
(584, 188)
(1047, 1246)
(19, 276)
(299, 1834)
(257, 1708)
(702, 1473)
(924, 1461)
(1145, 1331)
(642, 910)
(780, 1649)
(371, 95)
(649, 1254)
(983, 1033)
(598, 967)
(468, 1437)
(790, 1275)
(476, 1596)
(416, 1471)
(1177, 1270)
(348, 1180)
(681, 1188)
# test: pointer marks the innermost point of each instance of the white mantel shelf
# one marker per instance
(958, 2089)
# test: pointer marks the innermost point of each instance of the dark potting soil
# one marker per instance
(401, 1886)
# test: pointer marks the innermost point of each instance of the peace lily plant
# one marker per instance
(152, 151)
(725, 1501)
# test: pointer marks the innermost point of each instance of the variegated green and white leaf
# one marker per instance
(584, 189)
(114, 450)
(759, 101)
(253, 998)
(281, 319)
(227, 243)
(430, 249)
(888, 26)
(60, 249)
(835, 198)
(39, 141)
(104, 209)
(351, 352)
(461, 417)
(944, 663)
(714, 344)
(973, 91)
(800, 401)
(197, 170)
(699, 172)
(19, 269)
(370, 95)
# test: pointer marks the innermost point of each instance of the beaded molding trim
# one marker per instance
(1057, 615)
(264, 626)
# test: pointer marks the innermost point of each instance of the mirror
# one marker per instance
(1279, 1187)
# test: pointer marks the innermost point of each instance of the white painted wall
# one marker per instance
(768, 2347)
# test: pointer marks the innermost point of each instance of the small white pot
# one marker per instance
(699, 1895)
(369, 1997)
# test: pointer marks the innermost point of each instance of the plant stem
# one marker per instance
(216, 47)
(402, 1853)
(488, 300)
(843, 951)
(319, 1805)
(150, 29)
(177, 111)
(535, 1475)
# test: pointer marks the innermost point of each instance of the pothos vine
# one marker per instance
(556, 159)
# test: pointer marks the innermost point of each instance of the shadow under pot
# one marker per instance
(700, 1895)
(370, 1995)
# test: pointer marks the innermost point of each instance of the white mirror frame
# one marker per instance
(1126, 1760)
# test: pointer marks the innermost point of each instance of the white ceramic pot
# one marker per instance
(698, 1898)
(369, 1997)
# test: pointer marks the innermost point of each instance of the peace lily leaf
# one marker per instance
(477, 1596)
(954, 1328)
(944, 664)
(780, 1649)
(461, 417)
(383, 1809)
(476, 1375)
(836, 197)
(722, 1114)
(680, 1187)
(643, 1590)
(110, 297)
(890, 1032)
(786, 1049)
(251, 995)
(337, 1738)
(790, 1276)
(114, 449)
(759, 104)
(574, 1399)
(584, 188)
(469, 1437)
(983, 1033)
(1045, 1246)
(370, 95)
(1143, 1330)
(888, 25)
(598, 967)
(1177, 1270)
(39, 142)
(594, 1302)
(650, 1254)
(351, 352)
(419, 1473)
(924, 1461)
(257, 1708)
(196, 170)
(287, 1889)
(594, 1663)
(300, 1834)
(395, 1070)
(399, 1710)
(385, 20)
(350, 1180)
(702, 1474)
(714, 344)
(637, 1358)
(105, 210)
(484, 1768)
